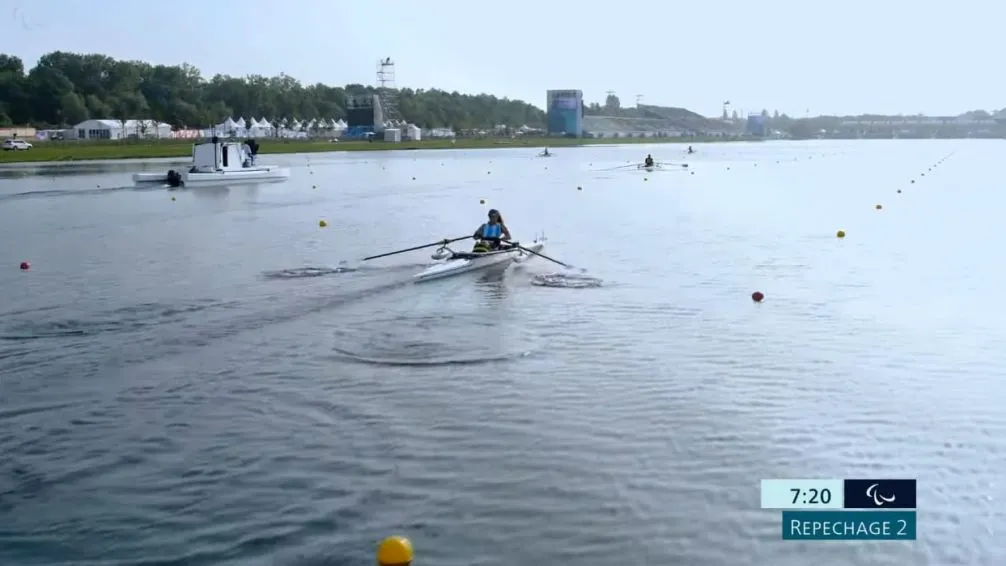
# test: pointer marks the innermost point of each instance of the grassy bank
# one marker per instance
(148, 149)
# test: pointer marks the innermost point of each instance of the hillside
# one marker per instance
(68, 88)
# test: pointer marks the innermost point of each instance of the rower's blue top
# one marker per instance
(491, 230)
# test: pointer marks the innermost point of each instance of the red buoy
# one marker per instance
(757, 296)
(25, 266)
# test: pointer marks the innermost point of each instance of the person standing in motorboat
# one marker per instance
(492, 234)
(249, 155)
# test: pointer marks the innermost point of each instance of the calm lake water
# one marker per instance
(215, 379)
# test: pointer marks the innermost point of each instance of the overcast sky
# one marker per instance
(850, 57)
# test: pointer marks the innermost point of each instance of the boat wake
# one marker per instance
(431, 341)
(308, 272)
(53, 193)
(565, 281)
(302, 272)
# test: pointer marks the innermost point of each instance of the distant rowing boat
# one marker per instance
(656, 166)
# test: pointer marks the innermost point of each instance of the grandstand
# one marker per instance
(649, 120)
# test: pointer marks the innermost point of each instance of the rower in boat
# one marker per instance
(648, 162)
(545, 153)
(690, 150)
(491, 235)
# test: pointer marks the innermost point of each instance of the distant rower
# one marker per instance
(648, 162)
(690, 150)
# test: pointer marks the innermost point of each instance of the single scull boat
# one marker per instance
(451, 262)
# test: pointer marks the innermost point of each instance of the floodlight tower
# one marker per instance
(386, 89)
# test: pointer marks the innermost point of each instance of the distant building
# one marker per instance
(120, 129)
(565, 112)
(756, 125)
(364, 116)
(17, 133)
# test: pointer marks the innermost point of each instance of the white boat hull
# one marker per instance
(246, 175)
(457, 266)
(150, 177)
(265, 174)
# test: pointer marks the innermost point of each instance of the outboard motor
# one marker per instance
(174, 178)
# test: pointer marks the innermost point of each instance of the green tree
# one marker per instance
(612, 104)
(65, 86)
(72, 109)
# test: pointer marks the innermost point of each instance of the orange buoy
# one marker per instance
(25, 266)
(757, 296)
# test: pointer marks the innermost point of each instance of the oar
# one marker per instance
(566, 265)
(438, 243)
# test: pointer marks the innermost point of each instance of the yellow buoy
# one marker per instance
(646, 178)
(482, 201)
(840, 234)
(322, 224)
(489, 172)
(878, 207)
(172, 198)
(394, 551)
(579, 188)
(314, 186)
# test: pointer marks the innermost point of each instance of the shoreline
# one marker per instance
(56, 153)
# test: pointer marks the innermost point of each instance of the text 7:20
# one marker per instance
(822, 497)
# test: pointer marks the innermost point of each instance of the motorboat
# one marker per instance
(218, 163)
(450, 262)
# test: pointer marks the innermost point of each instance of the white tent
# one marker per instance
(230, 128)
(257, 130)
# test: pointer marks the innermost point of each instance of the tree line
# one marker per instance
(67, 88)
